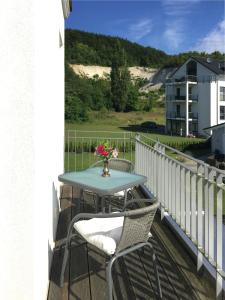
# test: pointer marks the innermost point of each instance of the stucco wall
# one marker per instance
(31, 152)
(218, 140)
(204, 117)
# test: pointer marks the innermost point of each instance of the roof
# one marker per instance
(214, 65)
(215, 127)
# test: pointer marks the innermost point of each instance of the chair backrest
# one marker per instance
(121, 165)
(117, 164)
(136, 226)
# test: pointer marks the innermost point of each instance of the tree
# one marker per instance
(120, 79)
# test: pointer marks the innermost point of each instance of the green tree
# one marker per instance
(120, 79)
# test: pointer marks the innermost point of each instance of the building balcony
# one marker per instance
(190, 218)
(181, 116)
(182, 98)
(182, 80)
(193, 98)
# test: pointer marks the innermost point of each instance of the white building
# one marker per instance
(218, 138)
(195, 96)
(32, 139)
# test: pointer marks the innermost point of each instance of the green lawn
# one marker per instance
(84, 160)
(126, 122)
(115, 120)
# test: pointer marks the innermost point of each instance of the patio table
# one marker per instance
(91, 179)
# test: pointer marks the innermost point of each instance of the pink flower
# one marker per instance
(105, 153)
(100, 149)
(115, 153)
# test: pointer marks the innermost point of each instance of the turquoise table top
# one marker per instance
(91, 179)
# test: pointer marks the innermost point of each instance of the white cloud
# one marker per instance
(214, 40)
(178, 8)
(140, 29)
(176, 14)
(174, 33)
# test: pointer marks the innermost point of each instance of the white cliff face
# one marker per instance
(103, 72)
(156, 77)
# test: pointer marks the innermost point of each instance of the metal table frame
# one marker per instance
(91, 179)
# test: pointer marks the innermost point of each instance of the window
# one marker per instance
(191, 68)
(222, 93)
(189, 92)
(178, 110)
(222, 112)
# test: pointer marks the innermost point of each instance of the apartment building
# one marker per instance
(195, 96)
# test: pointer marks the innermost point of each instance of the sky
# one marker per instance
(173, 26)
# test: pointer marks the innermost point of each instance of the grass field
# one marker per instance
(112, 120)
(127, 122)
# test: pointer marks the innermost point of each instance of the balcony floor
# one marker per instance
(133, 275)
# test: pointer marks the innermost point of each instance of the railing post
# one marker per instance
(200, 171)
(211, 216)
(219, 237)
(206, 202)
(137, 154)
(177, 196)
(182, 198)
(68, 150)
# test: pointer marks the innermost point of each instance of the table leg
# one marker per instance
(102, 204)
(81, 198)
(125, 197)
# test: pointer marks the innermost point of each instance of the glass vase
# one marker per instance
(105, 171)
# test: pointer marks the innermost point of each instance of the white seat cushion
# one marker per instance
(103, 233)
(121, 193)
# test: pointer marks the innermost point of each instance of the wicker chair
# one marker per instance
(130, 232)
(115, 164)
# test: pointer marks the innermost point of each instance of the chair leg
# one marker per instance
(109, 278)
(156, 270)
(65, 258)
(66, 254)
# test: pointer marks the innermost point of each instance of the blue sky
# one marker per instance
(173, 26)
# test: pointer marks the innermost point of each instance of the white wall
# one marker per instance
(203, 72)
(204, 117)
(218, 140)
(214, 108)
(221, 83)
(31, 152)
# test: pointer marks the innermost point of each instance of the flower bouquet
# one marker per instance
(106, 152)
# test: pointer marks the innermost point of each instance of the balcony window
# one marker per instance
(222, 93)
(178, 110)
(189, 92)
(222, 112)
(191, 68)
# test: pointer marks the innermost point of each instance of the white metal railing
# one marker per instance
(193, 198)
(194, 79)
(80, 147)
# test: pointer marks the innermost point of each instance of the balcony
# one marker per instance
(182, 80)
(182, 116)
(192, 210)
(177, 98)
(192, 98)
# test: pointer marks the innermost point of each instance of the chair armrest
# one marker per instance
(89, 216)
(99, 215)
